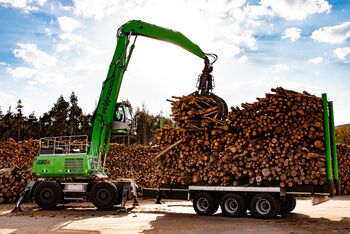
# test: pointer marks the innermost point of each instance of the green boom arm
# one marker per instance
(103, 118)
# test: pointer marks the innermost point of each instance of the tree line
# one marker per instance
(342, 134)
(67, 118)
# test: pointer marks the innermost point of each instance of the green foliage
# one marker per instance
(147, 125)
(67, 118)
(342, 134)
(64, 118)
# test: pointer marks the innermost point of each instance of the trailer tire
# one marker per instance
(104, 195)
(288, 205)
(48, 194)
(205, 204)
(233, 205)
(265, 206)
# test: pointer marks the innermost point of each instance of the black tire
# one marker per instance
(288, 205)
(48, 194)
(264, 205)
(205, 204)
(104, 195)
(233, 205)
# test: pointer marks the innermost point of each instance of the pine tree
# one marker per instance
(32, 126)
(86, 123)
(75, 114)
(19, 119)
(8, 123)
(45, 122)
(59, 117)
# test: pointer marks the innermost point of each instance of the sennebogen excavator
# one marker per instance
(69, 168)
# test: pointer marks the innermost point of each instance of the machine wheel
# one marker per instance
(264, 205)
(233, 205)
(48, 194)
(104, 195)
(205, 204)
(288, 204)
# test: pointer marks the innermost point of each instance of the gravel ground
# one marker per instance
(173, 217)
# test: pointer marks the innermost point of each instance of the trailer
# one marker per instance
(262, 202)
(234, 201)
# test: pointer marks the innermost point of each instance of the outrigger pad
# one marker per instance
(24, 195)
(319, 199)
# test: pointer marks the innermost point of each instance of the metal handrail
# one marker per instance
(66, 145)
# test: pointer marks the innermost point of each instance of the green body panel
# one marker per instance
(103, 116)
(62, 165)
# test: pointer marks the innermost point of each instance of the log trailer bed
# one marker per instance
(263, 202)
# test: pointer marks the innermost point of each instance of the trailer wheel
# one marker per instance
(104, 195)
(288, 204)
(205, 204)
(48, 194)
(233, 205)
(264, 205)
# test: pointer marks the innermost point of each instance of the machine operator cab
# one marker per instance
(123, 119)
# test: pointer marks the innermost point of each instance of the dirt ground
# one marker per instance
(173, 217)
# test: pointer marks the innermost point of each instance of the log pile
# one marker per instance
(12, 182)
(136, 162)
(195, 112)
(276, 140)
(16, 159)
(343, 153)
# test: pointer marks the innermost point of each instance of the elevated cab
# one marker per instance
(122, 121)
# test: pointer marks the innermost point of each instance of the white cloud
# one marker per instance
(96, 9)
(26, 5)
(280, 68)
(34, 56)
(62, 47)
(68, 24)
(48, 32)
(296, 9)
(14, 3)
(292, 34)
(72, 38)
(342, 53)
(332, 34)
(316, 60)
(6, 99)
(41, 2)
(3, 64)
(88, 66)
(243, 59)
(21, 72)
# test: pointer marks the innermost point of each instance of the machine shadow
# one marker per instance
(168, 222)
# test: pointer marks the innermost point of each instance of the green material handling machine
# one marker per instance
(73, 168)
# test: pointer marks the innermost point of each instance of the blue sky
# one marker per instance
(49, 48)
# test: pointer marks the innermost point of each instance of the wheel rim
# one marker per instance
(263, 206)
(102, 195)
(46, 194)
(202, 204)
(231, 205)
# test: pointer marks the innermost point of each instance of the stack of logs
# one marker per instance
(16, 160)
(276, 140)
(343, 153)
(136, 162)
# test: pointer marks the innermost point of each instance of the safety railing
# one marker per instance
(65, 145)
